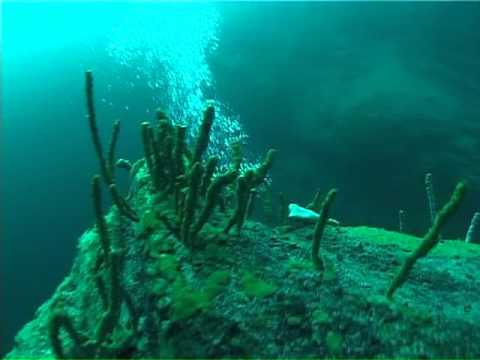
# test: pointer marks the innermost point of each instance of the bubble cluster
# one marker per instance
(167, 50)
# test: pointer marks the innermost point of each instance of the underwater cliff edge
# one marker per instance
(176, 268)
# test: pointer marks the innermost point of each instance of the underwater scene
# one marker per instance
(240, 179)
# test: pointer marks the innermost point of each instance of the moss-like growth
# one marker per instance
(321, 317)
(167, 266)
(297, 264)
(334, 342)
(329, 272)
(150, 220)
(430, 240)
(255, 287)
(214, 252)
(160, 287)
(420, 317)
(408, 243)
(187, 301)
(216, 283)
(158, 243)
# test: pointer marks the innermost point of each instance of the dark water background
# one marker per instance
(367, 97)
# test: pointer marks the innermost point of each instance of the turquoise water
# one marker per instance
(366, 97)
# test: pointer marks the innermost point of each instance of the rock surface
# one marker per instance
(257, 294)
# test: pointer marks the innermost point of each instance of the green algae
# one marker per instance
(216, 283)
(408, 243)
(321, 316)
(256, 287)
(297, 264)
(167, 266)
(334, 342)
(187, 301)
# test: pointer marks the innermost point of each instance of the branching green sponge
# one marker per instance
(112, 259)
(165, 128)
(111, 148)
(110, 317)
(194, 178)
(208, 174)
(237, 155)
(165, 161)
(245, 183)
(178, 152)
(261, 172)
(316, 202)
(243, 191)
(163, 147)
(213, 195)
(430, 239)
(100, 220)
(320, 226)
(204, 134)
(148, 151)
(92, 122)
(122, 204)
(106, 167)
(98, 346)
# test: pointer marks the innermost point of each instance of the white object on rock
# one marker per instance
(300, 213)
(297, 212)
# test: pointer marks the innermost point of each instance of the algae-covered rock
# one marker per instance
(216, 283)
(256, 287)
(334, 342)
(186, 301)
